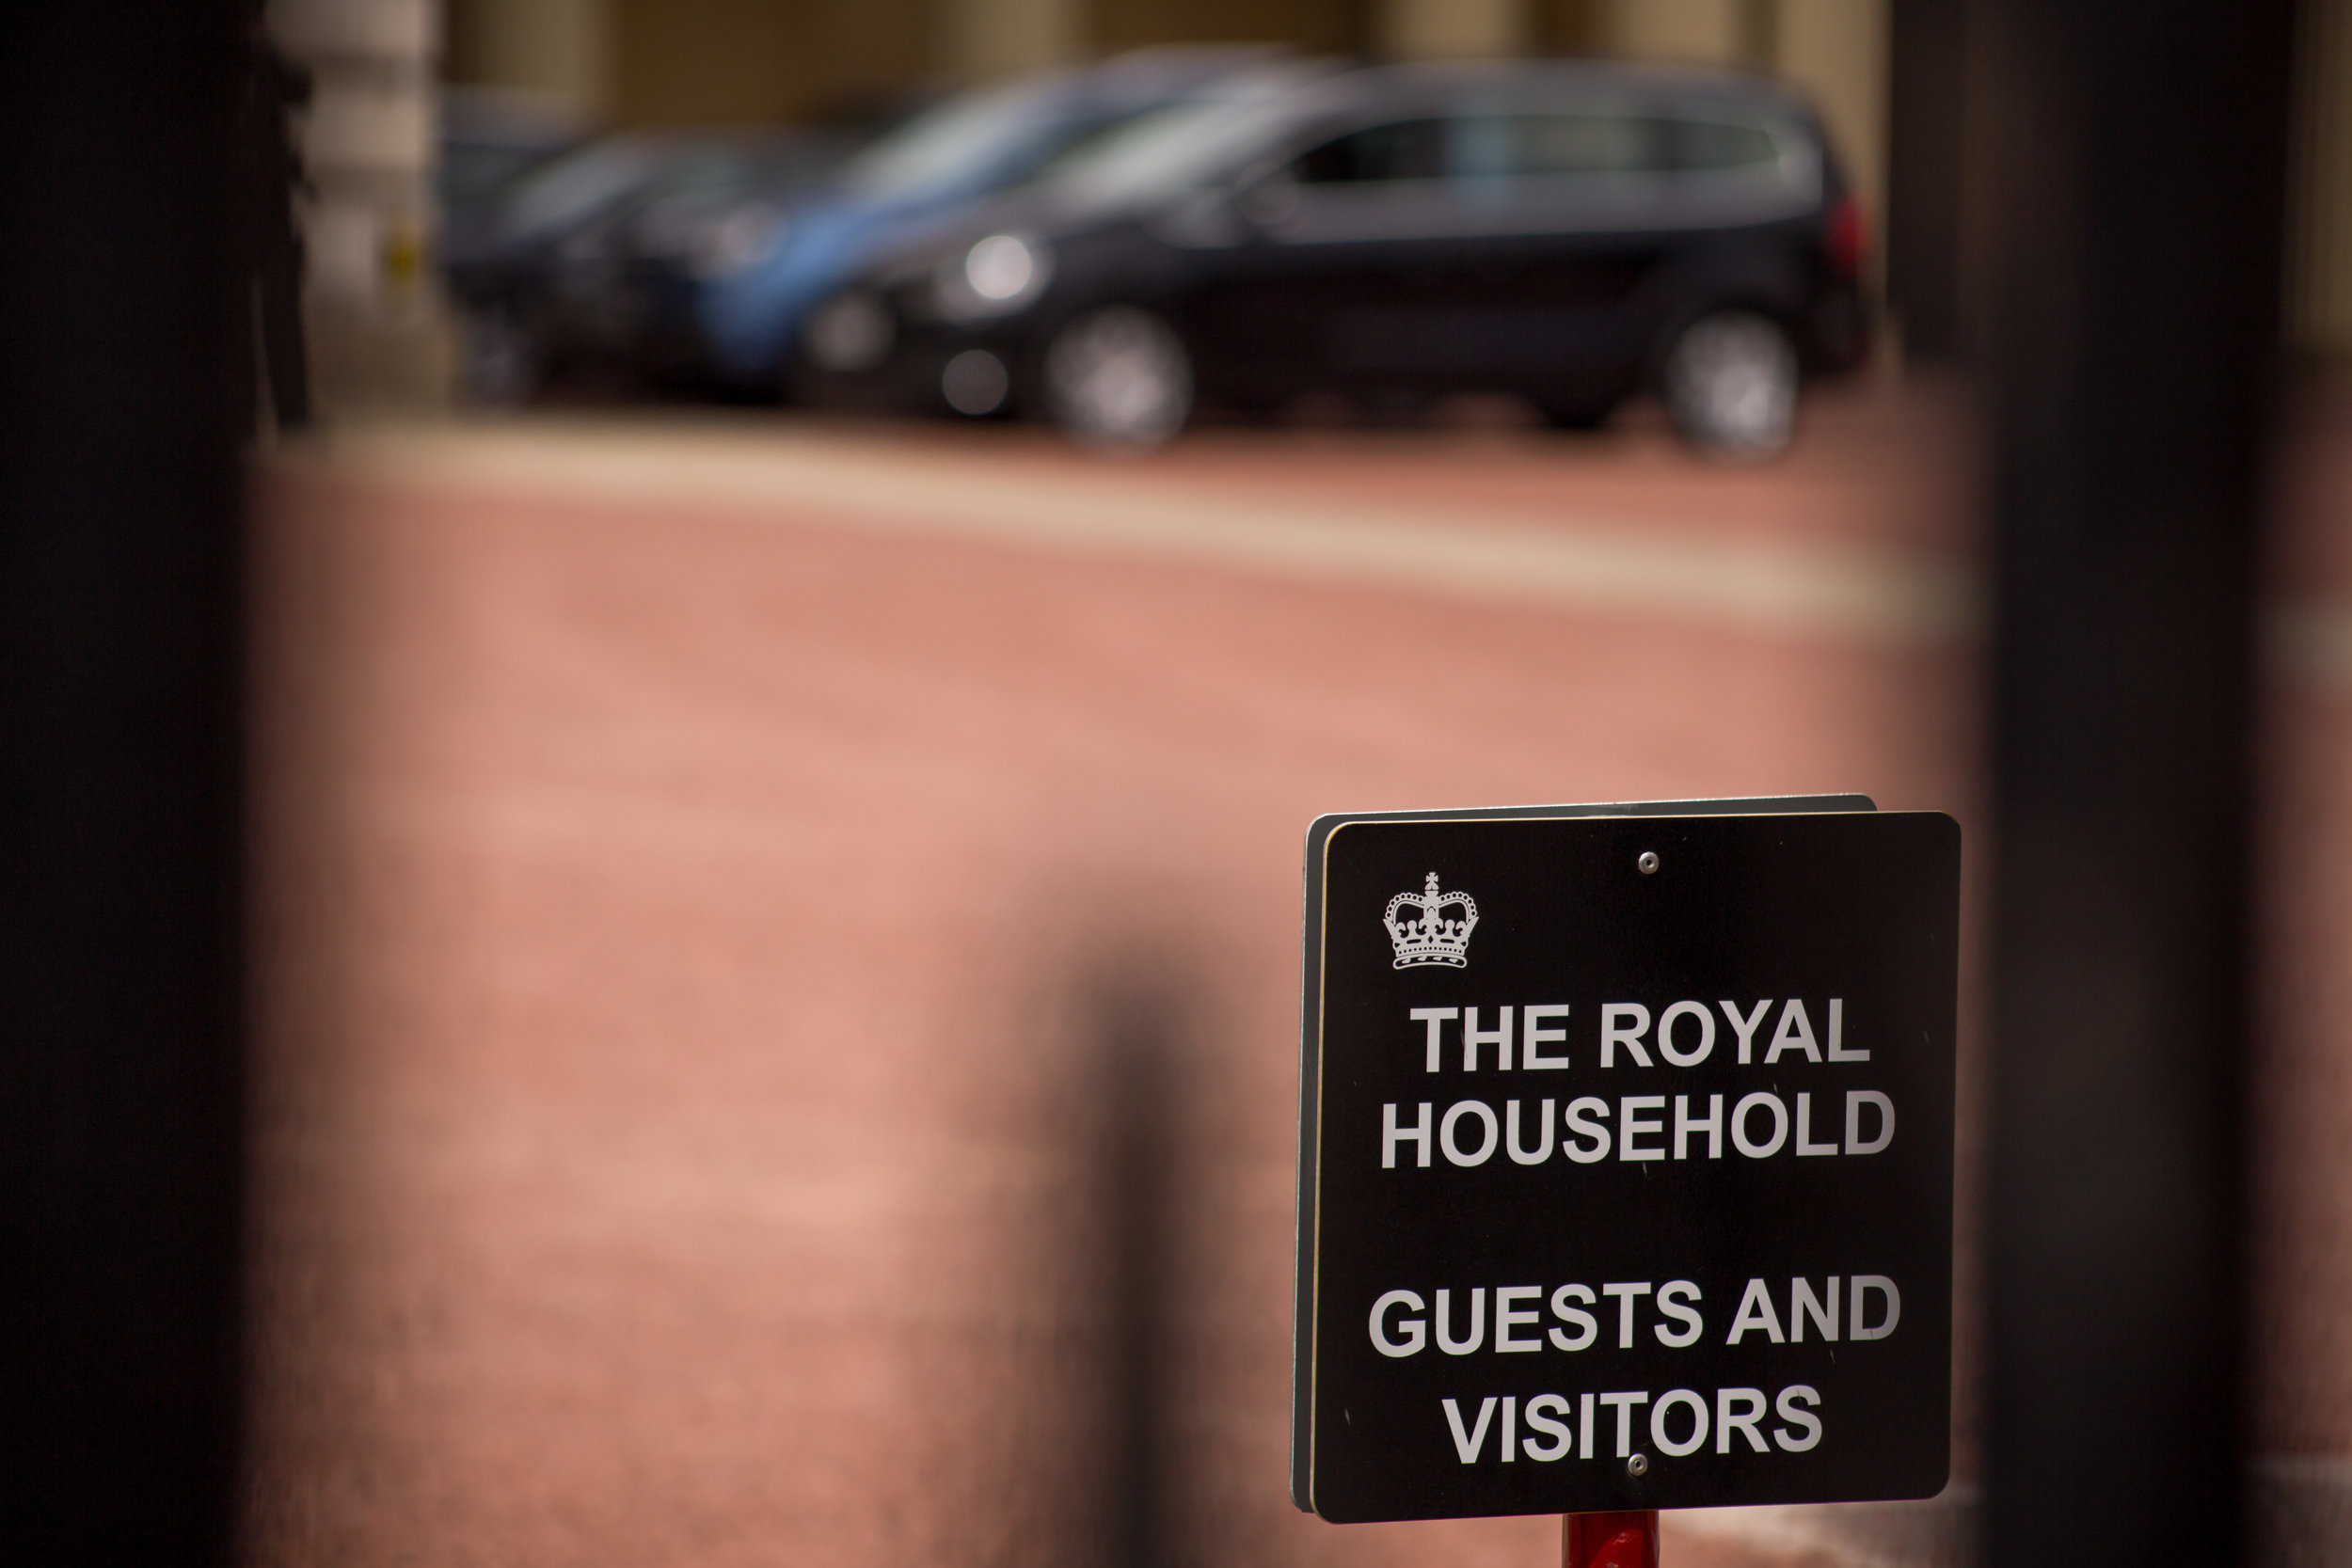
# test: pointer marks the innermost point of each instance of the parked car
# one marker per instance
(1568, 232)
(741, 312)
(543, 280)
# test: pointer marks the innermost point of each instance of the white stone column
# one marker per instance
(1453, 29)
(378, 335)
(2319, 276)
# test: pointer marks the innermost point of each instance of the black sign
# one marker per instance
(1626, 1159)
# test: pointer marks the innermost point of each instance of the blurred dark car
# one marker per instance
(739, 310)
(544, 281)
(1568, 233)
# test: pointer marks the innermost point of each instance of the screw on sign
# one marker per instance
(1624, 1163)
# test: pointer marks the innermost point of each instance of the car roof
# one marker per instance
(1445, 85)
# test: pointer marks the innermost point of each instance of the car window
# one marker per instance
(1722, 144)
(574, 188)
(1171, 148)
(1059, 146)
(952, 145)
(1535, 145)
(1400, 150)
(476, 171)
(700, 169)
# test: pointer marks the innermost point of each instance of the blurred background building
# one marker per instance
(1882, 71)
(662, 63)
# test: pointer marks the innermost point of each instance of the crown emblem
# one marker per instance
(1430, 938)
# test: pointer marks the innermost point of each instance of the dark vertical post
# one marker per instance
(120, 403)
(1135, 1082)
(1136, 1023)
(2133, 158)
(1925, 120)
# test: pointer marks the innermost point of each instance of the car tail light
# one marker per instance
(1844, 238)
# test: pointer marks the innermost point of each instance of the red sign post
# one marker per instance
(1621, 1540)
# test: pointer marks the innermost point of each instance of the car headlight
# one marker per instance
(1000, 267)
(741, 240)
(997, 276)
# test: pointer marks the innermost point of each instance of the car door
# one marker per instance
(1346, 268)
(1610, 227)
(1565, 220)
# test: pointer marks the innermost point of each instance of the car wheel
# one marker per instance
(1730, 382)
(1118, 377)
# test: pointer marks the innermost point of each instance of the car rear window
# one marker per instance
(1400, 150)
(1702, 144)
(1503, 146)
(1537, 145)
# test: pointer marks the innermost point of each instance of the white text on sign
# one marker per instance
(1679, 1423)
(1402, 1321)
(1589, 1128)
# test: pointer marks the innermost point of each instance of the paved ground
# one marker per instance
(700, 848)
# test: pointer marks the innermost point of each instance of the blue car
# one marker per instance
(740, 308)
